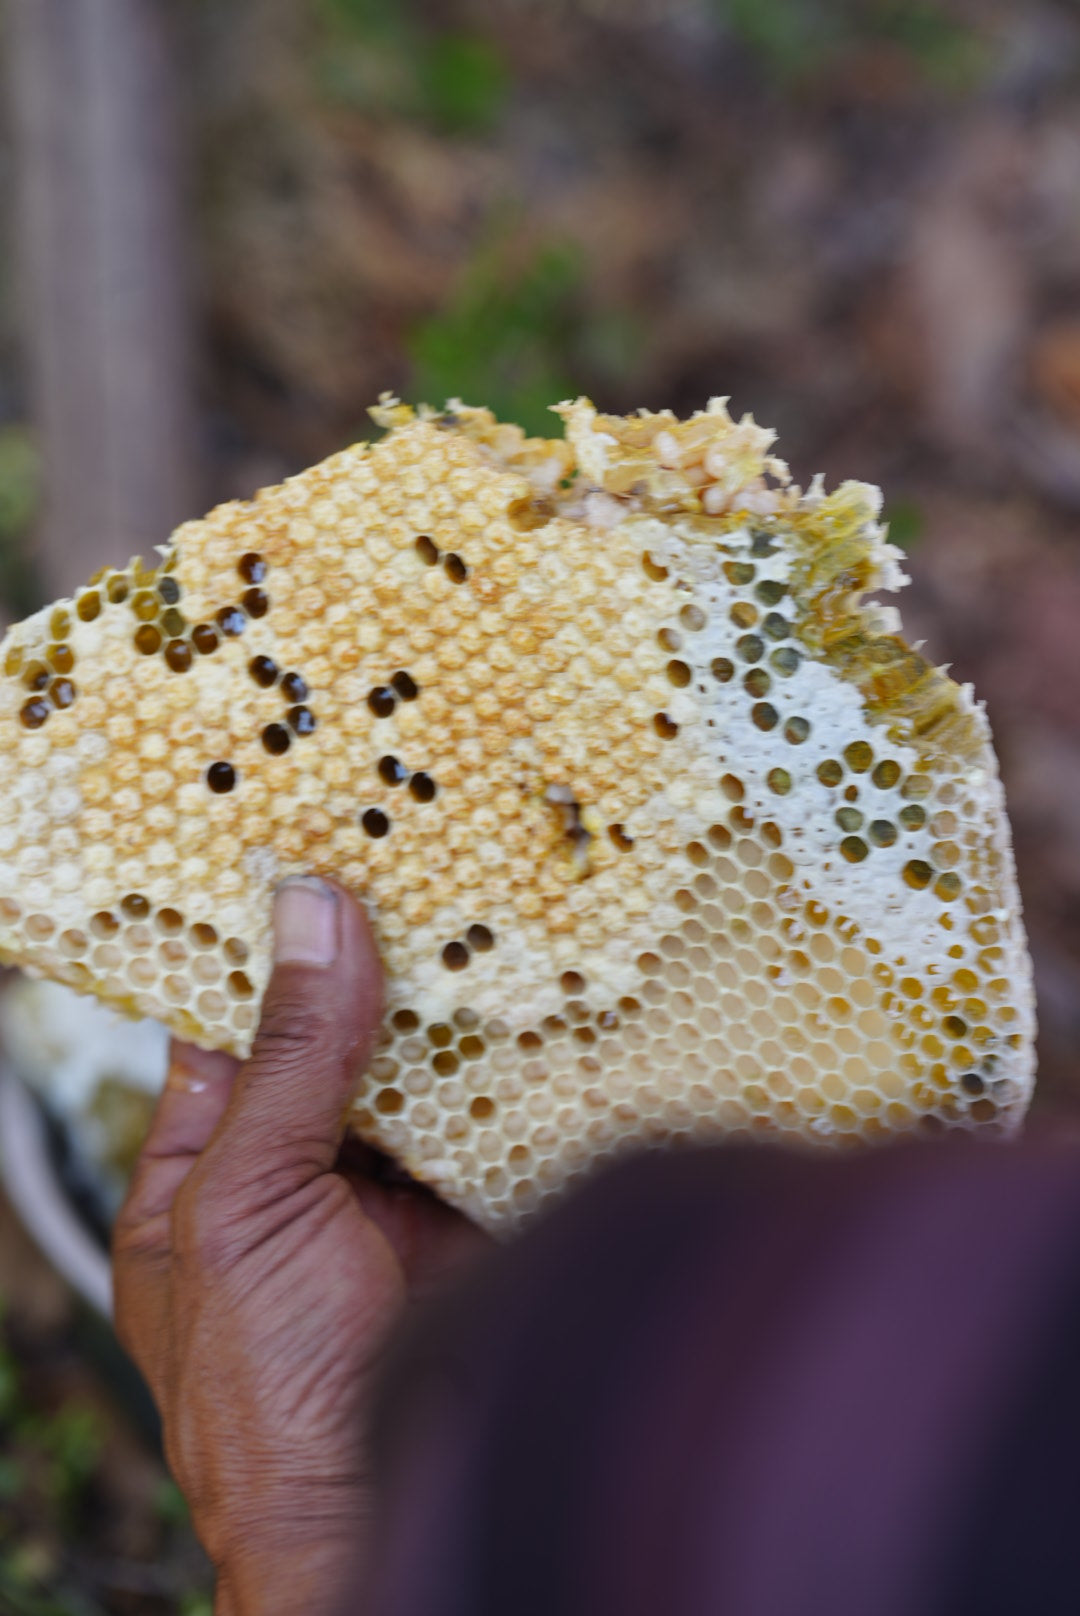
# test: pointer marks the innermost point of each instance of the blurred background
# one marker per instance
(228, 225)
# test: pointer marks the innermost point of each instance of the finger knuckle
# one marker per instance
(291, 1025)
(204, 1230)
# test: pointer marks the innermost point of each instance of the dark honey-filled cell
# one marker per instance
(382, 702)
(147, 639)
(256, 602)
(375, 822)
(456, 570)
(276, 739)
(455, 956)
(918, 874)
(117, 590)
(427, 550)
(88, 606)
(178, 656)
(294, 687)
(146, 605)
(405, 686)
(264, 671)
(221, 778)
(36, 676)
(169, 590)
(252, 568)
(665, 727)
(232, 621)
(62, 658)
(622, 841)
(480, 939)
(205, 638)
(423, 787)
(392, 771)
(302, 720)
(135, 906)
(173, 623)
(34, 713)
(722, 669)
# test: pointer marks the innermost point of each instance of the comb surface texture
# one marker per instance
(665, 831)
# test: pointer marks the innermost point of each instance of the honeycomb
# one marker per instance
(664, 830)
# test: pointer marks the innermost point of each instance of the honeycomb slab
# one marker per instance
(665, 831)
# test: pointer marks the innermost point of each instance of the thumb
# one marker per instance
(319, 1019)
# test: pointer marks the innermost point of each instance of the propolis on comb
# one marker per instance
(665, 832)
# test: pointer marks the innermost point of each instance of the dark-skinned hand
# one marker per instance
(256, 1280)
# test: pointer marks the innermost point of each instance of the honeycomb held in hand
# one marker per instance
(664, 831)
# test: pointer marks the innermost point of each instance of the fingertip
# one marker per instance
(192, 1070)
(362, 951)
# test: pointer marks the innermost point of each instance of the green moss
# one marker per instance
(506, 338)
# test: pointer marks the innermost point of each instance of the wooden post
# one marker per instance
(102, 248)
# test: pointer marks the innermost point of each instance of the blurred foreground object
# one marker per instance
(77, 1087)
(789, 1385)
(666, 834)
(102, 246)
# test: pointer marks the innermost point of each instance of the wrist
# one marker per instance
(315, 1574)
(308, 1558)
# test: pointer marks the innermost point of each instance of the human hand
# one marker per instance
(256, 1282)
